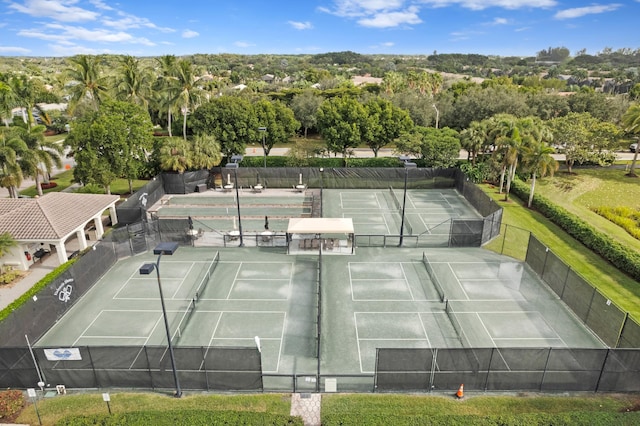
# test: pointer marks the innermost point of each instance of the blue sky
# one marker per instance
(150, 28)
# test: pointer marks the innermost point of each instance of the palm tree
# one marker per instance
(23, 93)
(133, 82)
(205, 152)
(38, 156)
(6, 243)
(165, 93)
(188, 92)
(537, 157)
(10, 170)
(175, 155)
(86, 81)
(500, 128)
(631, 124)
(474, 138)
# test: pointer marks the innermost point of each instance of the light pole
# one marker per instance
(234, 165)
(263, 130)
(167, 248)
(321, 187)
(407, 165)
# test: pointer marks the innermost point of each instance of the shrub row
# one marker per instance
(624, 259)
(527, 419)
(4, 313)
(182, 417)
(11, 402)
(285, 161)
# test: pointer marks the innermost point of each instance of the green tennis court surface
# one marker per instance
(375, 298)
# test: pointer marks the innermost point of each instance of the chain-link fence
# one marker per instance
(508, 369)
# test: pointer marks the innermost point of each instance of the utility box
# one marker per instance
(201, 187)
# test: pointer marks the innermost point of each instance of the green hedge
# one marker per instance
(182, 417)
(528, 419)
(621, 257)
(283, 161)
(4, 313)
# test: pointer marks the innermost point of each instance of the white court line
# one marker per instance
(355, 322)
(235, 278)
(75, 342)
(406, 281)
(426, 335)
(457, 280)
(134, 275)
(485, 328)
(378, 200)
(182, 281)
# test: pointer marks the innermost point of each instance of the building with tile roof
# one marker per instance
(43, 225)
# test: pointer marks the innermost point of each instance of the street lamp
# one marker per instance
(407, 165)
(234, 165)
(167, 248)
(321, 187)
(263, 130)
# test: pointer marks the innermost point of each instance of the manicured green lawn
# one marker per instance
(65, 179)
(573, 192)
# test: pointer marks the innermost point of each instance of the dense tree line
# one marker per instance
(115, 102)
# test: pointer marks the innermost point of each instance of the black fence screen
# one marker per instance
(600, 314)
(147, 367)
(508, 369)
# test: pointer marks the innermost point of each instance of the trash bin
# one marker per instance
(201, 187)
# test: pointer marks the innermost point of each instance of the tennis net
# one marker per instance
(456, 325)
(201, 283)
(396, 201)
(434, 278)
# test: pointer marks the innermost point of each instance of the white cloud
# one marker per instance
(58, 10)
(301, 25)
(499, 21)
(13, 49)
(190, 34)
(359, 8)
(243, 44)
(485, 4)
(127, 21)
(522, 29)
(392, 19)
(99, 4)
(578, 12)
(67, 34)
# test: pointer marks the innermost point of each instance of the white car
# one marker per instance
(633, 147)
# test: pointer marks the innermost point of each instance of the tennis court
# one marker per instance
(380, 211)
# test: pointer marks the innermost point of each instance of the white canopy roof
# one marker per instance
(320, 225)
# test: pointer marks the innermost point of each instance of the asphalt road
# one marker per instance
(257, 152)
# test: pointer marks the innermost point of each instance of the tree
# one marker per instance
(111, 142)
(631, 124)
(133, 82)
(86, 82)
(38, 156)
(205, 152)
(538, 160)
(438, 147)
(475, 138)
(185, 84)
(6, 243)
(387, 123)
(230, 119)
(10, 171)
(342, 121)
(175, 155)
(279, 121)
(165, 92)
(305, 107)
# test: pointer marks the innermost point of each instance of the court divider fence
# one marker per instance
(450, 233)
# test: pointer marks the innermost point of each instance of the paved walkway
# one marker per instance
(307, 406)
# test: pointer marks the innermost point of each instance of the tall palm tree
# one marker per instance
(24, 91)
(10, 172)
(175, 155)
(188, 93)
(38, 156)
(165, 92)
(474, 138)
(133, 82)
(6, 242)
(631, 124)
(205, 152)
(538, 159)
(86, 81)
(500, 130)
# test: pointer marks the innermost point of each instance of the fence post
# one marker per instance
(622, 326)
(93, 367)
(604, 363)
(504, 237)
(546, 365)
(486, 379)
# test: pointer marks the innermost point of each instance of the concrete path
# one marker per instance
(307, 406)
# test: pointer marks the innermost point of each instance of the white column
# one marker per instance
(62, 252)
(97, 221)
(82, 239)
(113, 215)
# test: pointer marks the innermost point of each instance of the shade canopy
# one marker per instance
(320, 225)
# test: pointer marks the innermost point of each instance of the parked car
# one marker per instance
(633, 147)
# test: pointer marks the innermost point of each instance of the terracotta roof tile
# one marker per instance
(51, 216)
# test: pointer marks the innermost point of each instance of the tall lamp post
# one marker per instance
(407, 165)
(263, 130)
(167, 248)
(234, 165)
(321, 188)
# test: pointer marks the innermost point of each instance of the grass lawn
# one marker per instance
(615, 285)
(53, 409)
(65, 179)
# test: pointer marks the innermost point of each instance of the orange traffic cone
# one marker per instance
(460, 393)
